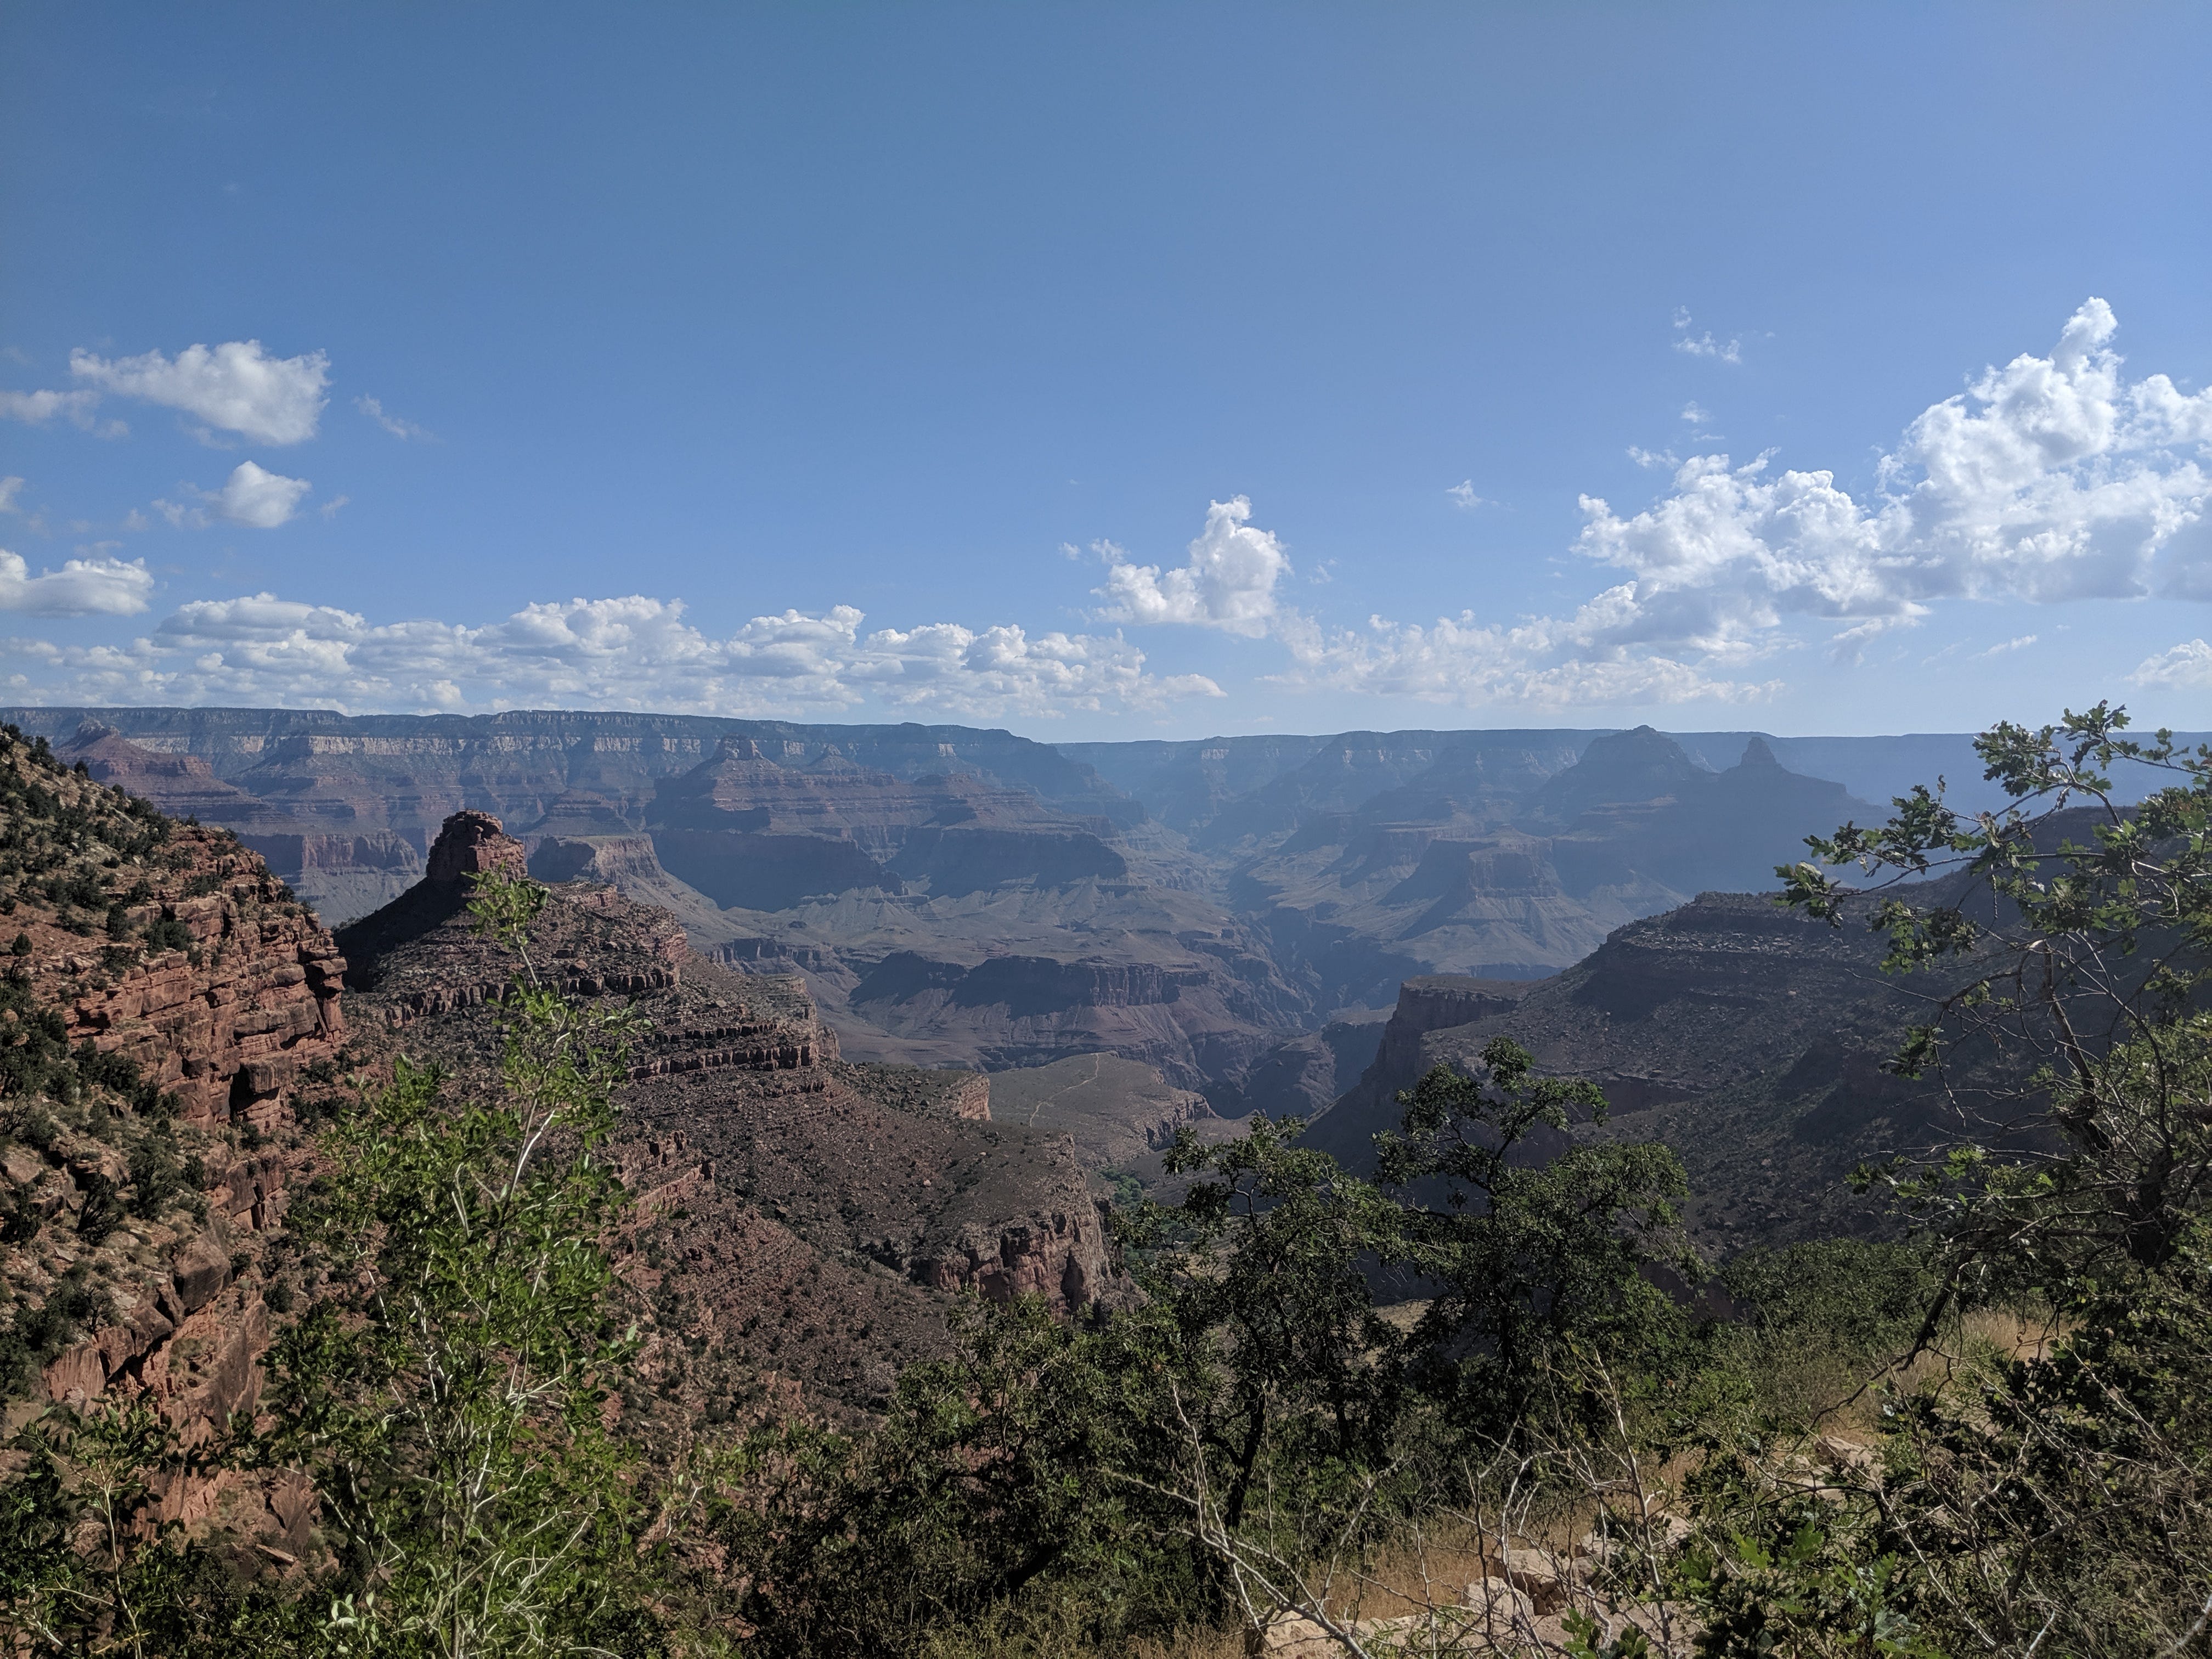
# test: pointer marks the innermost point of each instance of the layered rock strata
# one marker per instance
(204, 972)
(165, 1001)
(740, 1119)
(594, 943)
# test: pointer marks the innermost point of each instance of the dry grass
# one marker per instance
(1202, 1644)
(1432, 1568)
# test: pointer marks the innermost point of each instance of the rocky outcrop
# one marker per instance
(1746, 1036)
(424, 956)
(227, 990)
(471, 844)
(1433, 1002)
(762, 1045)
(165, 1000)
(1061, 1256)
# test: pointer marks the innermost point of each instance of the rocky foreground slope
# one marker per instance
(813, 1210)
(165, 1003)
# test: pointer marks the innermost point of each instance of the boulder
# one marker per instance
(1536, 1576)
(201, 1269)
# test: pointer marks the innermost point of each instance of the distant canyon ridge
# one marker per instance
(1237, 913)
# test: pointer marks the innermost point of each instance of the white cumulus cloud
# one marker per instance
(252, 496)
(2052, 478)
(260, 498)
(2186, 667)
(37, 407)
(1230, 581)
(1538, 662)
(629, 653)
(99, 587)
(1227, 582)
(236, 387)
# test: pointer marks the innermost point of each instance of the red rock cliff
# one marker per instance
(235, 992)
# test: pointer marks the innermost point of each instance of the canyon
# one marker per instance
(961, 897)
(176, 1023)
(920, 1002)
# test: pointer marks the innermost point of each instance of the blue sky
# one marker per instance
(1130, 371)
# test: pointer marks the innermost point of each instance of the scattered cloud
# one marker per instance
(2183, 668)
(1704, 344)
(9, 488)
(252, 496)
(1463, 496)
(1230, 580)
(392, 424)
(329, 510)
(1227, 582)
(1539, 662)
(2050, 479)
(257, 499)
(96, 586)
(37, 407)
(1695, 416)
(631, 652)
(236, 387)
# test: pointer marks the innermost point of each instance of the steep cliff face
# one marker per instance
(164, 1002)
(201, 971)
(755, 834)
